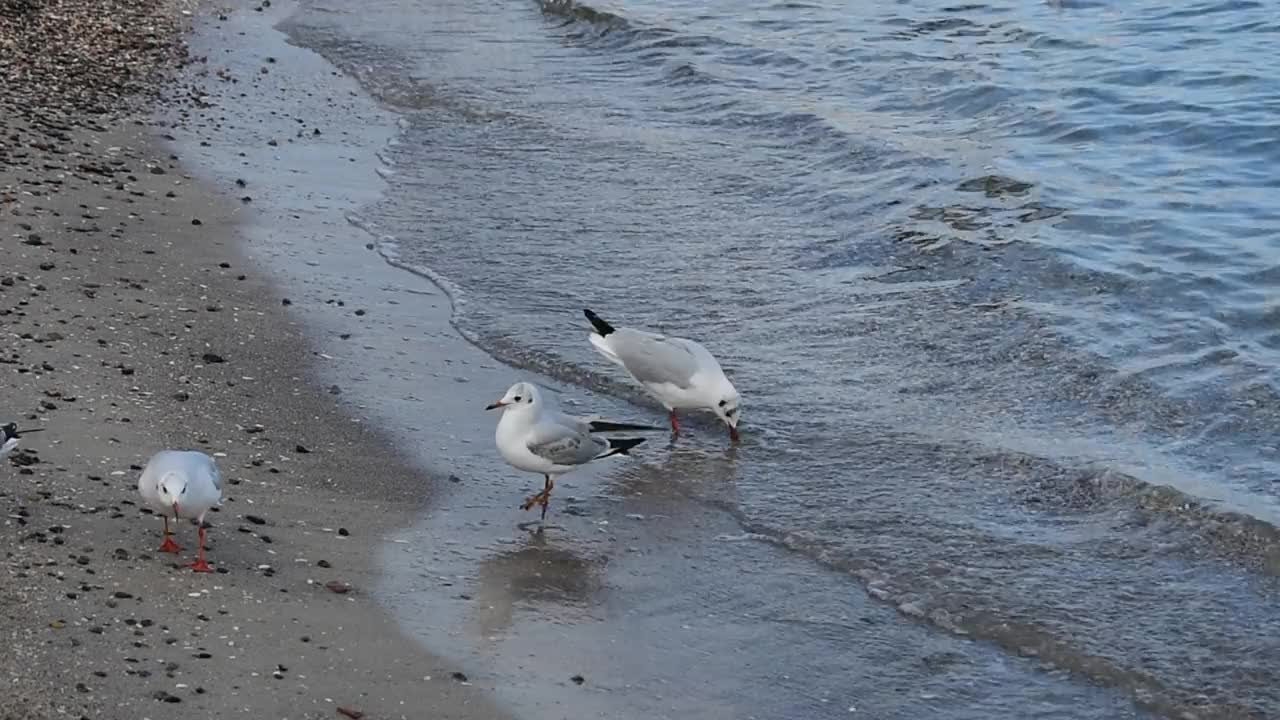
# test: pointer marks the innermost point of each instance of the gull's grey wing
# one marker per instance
(565, 444)
(655, 358)
(215, 476)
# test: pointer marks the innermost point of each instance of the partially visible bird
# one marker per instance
(9, 436)
(181, 484)
(538, 438)
(679, 372)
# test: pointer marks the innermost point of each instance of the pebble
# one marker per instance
(164, 696)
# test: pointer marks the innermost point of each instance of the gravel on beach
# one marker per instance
(73, 61)
(126, 326)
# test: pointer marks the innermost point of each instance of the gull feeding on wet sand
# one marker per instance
(184, 484)
(9, 437)
(679, 372)
(534, 437)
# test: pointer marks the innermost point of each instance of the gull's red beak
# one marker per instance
(733, 433)
(493, 406)
(175, 511)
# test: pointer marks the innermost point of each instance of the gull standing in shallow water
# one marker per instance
(536, 438)
(184, 484)
(9, 436)
(679, 372)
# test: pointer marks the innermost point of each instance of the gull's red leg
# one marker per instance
(200, 565)
(168, 546)
(546, 496)
(675, 424)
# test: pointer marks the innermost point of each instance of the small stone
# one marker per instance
(578, 679)
(344, 532)
(324, 564)
(196, 221)
(164, 696)
(459, 676)
(255, 519)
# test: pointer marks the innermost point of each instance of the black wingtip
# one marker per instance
(623, 446)
(606, 426)
(599, 324)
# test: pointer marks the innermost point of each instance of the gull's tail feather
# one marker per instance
(606, 426)
(621, 446)
(601, 345)
(598, 323)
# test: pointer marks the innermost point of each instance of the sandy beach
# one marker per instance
(315, 238)
(131, 323)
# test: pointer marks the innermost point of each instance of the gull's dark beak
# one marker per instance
(494, 406)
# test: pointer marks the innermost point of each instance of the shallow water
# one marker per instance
(994, 280)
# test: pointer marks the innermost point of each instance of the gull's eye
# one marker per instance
(730, 411)
(517, 398)
(722, 402)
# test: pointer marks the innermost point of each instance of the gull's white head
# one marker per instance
(8, 438)
(521, 396)
(728, 408)
(172, 489)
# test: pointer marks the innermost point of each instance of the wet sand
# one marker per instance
(133, 322)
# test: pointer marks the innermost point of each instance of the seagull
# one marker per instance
(535, 437)
(184, 484)
(680, 373)
(9, 436)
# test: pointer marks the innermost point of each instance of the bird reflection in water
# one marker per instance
(535, 575)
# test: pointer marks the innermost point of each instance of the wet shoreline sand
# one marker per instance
(133, 322)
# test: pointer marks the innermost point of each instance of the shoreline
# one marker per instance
(134, 322)
(647, 556)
